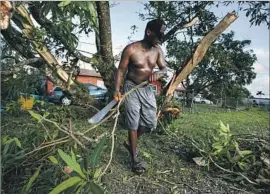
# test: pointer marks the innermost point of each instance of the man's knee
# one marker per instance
(144, 129)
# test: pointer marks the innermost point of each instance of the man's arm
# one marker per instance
(161, 62)
(122, 68)
(161, 65)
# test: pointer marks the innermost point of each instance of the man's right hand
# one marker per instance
(117, 95)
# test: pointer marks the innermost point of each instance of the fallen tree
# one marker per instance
(197, 56)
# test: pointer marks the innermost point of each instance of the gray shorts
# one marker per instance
(140, 107)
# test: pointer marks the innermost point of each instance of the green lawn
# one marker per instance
(240, 122)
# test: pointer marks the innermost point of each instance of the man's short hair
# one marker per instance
(155, 26)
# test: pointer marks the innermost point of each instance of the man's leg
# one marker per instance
(132, 137)
(137, 165)
(143, 130)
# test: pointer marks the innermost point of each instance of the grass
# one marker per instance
(240, 122)
(168, 171)
(171, 169)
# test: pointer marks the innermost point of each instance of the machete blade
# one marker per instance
(101, 114)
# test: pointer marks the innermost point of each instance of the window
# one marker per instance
(57, 89)
(100, 84)
(91, 87)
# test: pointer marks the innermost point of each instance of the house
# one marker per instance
(85, 76)
(90, 76)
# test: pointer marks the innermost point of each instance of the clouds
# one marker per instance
(261, 83)
(262, 53)
(261, 68)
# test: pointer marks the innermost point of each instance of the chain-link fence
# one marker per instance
(224, 104)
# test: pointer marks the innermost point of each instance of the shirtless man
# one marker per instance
(137, 63)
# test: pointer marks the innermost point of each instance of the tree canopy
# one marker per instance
(227, 62)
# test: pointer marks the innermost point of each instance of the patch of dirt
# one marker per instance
(167, 171)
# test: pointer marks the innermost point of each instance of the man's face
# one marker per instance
(155, 37)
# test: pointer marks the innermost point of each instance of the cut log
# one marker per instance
(5, 14)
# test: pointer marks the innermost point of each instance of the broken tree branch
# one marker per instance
(28, 30)
(200, 51)
(179, 26)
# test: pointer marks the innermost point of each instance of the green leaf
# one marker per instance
(92, 9)
(53, 159)
(80, 186)
(64, 3)
(147, 155)
(217, 145)
(32, 180)
(241, 165)
(97, 173)
(55, 134)
(217, 151)
(73, 157)
(237, 148)
(46, 114)
(95, 188)
(86, 158)
(4, 139)
(98, 149)
(66, 184)
(236, 158)
(229, 156)
(223, 128)
(72, 164)
(216, 138)
(6, 149)
(245, 152)
(35, 115)
(17, 141)
(9, 141)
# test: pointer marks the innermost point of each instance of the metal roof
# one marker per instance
(88, 72)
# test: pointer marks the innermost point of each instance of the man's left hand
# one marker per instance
(153, 77)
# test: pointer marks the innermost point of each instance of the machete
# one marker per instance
(101, 114)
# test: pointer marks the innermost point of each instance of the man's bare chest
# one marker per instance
(144, 59)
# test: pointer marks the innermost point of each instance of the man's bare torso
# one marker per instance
(141, 62)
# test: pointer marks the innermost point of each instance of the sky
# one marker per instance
(125, 14)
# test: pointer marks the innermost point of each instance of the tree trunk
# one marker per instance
(188, 100)
(106, 65)
(199, 53)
